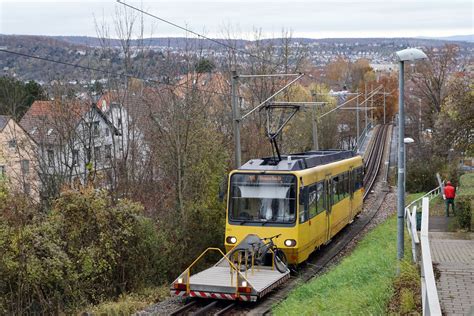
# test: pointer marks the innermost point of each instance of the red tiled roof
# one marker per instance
(45, 115)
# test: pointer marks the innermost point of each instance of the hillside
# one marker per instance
(87, 51)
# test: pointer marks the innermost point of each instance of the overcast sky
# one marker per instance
(306, 18)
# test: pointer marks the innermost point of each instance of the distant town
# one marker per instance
(152, 51)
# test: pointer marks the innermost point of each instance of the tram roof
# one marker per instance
(298, 161)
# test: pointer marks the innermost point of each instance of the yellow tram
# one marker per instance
(306, 197)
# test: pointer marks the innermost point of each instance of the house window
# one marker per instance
(120, 123)
(75, 157)
(97, 153)
(25, 166)
(50, 158)
(96, 129)
(12, 143)
(2, 171)
(107, 131)
(108, 151)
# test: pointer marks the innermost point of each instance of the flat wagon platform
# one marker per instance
(225, 281)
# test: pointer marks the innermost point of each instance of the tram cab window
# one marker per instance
(262, 198)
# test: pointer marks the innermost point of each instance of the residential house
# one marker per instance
(129, 112)
(18, 158)
(75, 141)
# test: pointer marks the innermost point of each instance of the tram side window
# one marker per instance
(359, 176)
(304, 208)
(346, 184)
(321, 197)
(335, 190)
(313, 200)
(342, 193)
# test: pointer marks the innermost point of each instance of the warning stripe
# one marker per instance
(221, 296)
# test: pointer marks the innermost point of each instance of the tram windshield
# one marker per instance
(262, 198)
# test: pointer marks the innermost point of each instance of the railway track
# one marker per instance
(321, 258)
(374, 160)
(205, 307)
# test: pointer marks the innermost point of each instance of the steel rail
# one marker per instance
(225, 309)
(375, 161)
(203, 310)
(183, 308)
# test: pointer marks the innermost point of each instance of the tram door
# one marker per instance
(329, 202)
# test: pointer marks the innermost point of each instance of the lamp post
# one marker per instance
(406, 141)
(409, 54)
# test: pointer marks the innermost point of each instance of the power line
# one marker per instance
(197, 34)
(110, 73)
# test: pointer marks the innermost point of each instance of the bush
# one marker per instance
(463, 212)
(421, 174)
(86, 250)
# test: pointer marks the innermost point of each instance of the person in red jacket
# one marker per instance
(450, 194)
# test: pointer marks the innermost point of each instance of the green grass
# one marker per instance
(466, 185)
(413, 196)
(361, 284)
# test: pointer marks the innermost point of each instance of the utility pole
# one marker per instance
(372, 103)
(236, 118)
(315, 125)
(357, 117)
(384, 105)
(365, 101)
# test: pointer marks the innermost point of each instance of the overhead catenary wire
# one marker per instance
(197, 34)
(110, 73)
(372, 93)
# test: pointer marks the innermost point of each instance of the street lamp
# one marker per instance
(409, 54)
(406, 141)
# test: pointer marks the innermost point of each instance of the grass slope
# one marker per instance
(361, 284)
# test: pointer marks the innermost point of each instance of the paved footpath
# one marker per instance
(453, 255)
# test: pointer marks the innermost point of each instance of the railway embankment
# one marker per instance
(363, 279)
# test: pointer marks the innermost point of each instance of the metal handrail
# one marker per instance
(363, 136)
(429, 293)
(431, 194)
(411, 220)
(231, 265)
(411, 226)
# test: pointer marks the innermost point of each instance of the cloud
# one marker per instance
(306, 18)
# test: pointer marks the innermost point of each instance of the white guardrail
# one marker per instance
(429, 293)
(362, 137)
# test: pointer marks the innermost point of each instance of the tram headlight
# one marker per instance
(244, 283)
(180, 280)
(231, 240)
(290, 242)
